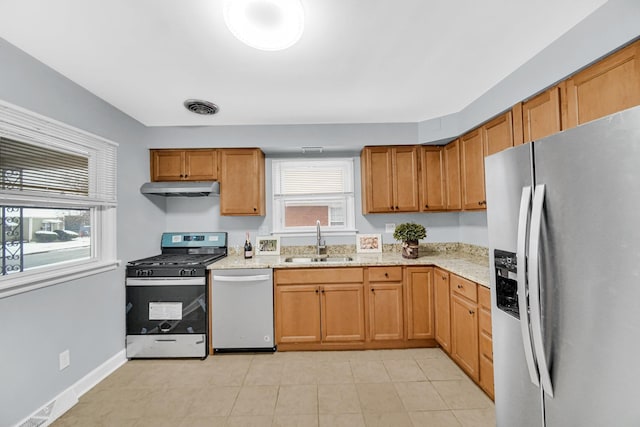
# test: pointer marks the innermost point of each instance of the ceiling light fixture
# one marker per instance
(265, 24)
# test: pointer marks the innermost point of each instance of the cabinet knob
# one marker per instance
(322, 291)
(444, 277)
(373, 290)
(391, 207)
(397, 207)
(386, 274)
(460, 286)
(186, 175)
(181, 176)
(255, 209)
(426, 206)
(484, 202)
(316, 291)
(471, 311)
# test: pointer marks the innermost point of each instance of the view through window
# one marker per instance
(34, 237)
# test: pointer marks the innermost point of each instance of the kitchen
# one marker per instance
(87, 314)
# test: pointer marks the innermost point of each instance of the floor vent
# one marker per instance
(52, 410)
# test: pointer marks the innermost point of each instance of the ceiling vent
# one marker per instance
(199, 106)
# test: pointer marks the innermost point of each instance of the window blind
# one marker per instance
(32, 168)
(304, 177)
(47, 160)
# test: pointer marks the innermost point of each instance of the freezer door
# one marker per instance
(590, 271)
(517, 398)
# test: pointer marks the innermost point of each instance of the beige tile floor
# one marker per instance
(395, 388)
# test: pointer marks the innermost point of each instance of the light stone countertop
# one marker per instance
(472, 267)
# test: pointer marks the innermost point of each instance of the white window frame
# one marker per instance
(19, 124)
(348, 198)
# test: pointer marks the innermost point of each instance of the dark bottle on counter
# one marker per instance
(248, 249)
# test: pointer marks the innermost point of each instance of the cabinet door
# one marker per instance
(405, 179)
(242, 181)
(297, 314)
(420, 318)
(541, 115)
(608, 86)
(472, 170)
(485, 340)
(452, 168)
(342, 312)
(464, 334)
(377, 180)
(442, 308)
(497, 135)
(201, 165)
(385, 311)
(167, 165)
(432, 184)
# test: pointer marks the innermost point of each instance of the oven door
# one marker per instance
(162, 306)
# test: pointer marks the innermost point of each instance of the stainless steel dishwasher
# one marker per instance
(242, 310)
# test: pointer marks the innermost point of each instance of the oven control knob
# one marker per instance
(189, 272)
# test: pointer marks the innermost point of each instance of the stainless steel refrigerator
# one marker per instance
(563, 215)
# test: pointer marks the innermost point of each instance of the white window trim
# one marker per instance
(23, 125)
(278, 202)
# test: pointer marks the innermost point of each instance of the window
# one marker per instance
(57, 202)
(305, 191)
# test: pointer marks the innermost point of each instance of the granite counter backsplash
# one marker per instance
(468, 261)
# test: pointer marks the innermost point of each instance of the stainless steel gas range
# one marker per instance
(167, 294)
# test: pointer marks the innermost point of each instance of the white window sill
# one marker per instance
(28, 281)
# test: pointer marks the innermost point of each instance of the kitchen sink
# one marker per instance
(329, 259)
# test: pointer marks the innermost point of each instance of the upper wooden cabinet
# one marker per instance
(184, 165)
(419, 302)
(541, 115)
(452, 170)
(497, 134)
(432, 182)
(389, 179)
(242, 181)
(472, 150)
(608, 86)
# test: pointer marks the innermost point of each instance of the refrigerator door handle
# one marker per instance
(521, 271)
(534, 283)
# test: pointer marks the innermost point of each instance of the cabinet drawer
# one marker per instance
(464, 287)
(319, 275)
(385, 274)
(486, 346)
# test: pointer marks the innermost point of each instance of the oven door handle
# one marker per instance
(169, 281)
(256, 278)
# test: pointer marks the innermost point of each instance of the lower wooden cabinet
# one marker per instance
(420, 303)
(464, 325)
(485, 340)
(297, 314)
(342, 312)
(385, 307)
(442, 308)
(319, 305)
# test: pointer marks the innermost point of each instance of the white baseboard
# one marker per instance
(54, 409)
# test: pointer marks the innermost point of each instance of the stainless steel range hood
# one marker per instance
(181, 188)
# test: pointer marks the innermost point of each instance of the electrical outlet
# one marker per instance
(389, 228)
(64, 359)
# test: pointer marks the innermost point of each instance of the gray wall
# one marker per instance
(85, 316)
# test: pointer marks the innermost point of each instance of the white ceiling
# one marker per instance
(358, 61)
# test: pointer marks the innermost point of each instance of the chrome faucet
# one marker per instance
(321, 247)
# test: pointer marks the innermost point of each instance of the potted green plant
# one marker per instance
(409, 233)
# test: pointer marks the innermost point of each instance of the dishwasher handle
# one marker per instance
(255, 278)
